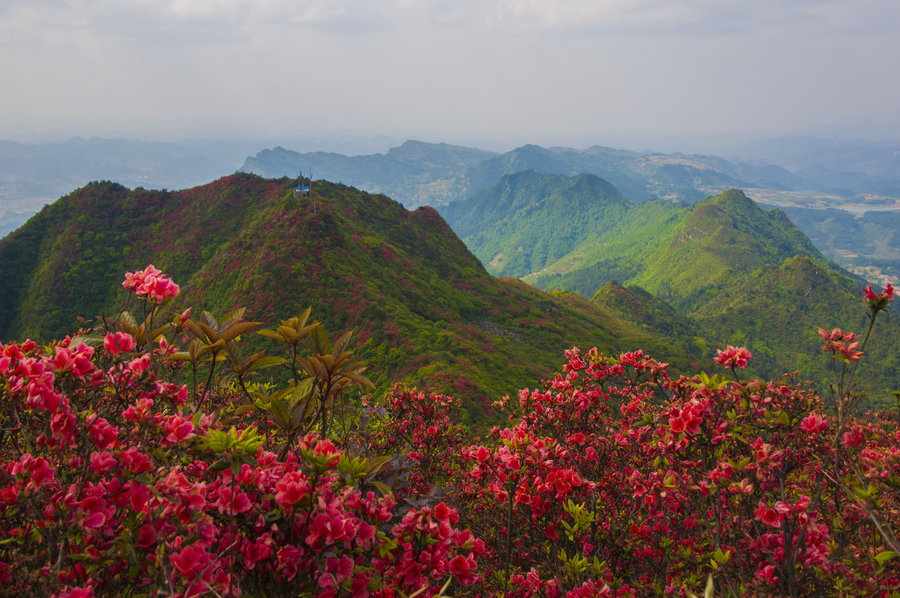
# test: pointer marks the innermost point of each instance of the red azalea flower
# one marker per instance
(879, 301)
(459, 565)
(733, 357)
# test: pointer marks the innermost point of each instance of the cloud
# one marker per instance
(679, 17)
(194, 22)
(564, 65)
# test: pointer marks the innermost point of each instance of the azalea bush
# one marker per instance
(157, 455)
(116, 482)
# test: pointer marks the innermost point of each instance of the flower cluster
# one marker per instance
(733, 357)
(838, 342)
(879, 301)
(115, 481)
(151, 282)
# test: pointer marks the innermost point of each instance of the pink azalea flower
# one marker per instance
(814, 423)
(459, 565)
(767, 574)
(178, 428)
(768, 515)
(120, 342)
(151, 282)
(290, 489)
(733, 357)
(190, 560)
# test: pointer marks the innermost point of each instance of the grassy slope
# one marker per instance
(721, 240)
(776, 313)
(529, 220)
(619, 253)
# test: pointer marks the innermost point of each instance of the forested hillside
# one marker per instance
(729, 266)
(424, 307)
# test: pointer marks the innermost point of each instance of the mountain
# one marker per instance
(418, 173)
(776, 312)
(528, 220)
(546, 226)
(721, 240)
(639, 308)
(423, 305)
(415, 173)
(789, 173)
(794, 174)
(723, 270)
(748, 276)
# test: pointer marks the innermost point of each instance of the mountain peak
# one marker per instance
(730, 198)
(530, 219)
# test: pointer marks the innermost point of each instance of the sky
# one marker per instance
(573, 72)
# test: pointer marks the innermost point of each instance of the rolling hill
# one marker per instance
(529, 220)
(722, 270)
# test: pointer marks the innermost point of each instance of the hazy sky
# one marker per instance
(545, 71)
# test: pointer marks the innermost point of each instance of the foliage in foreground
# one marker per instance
(613, 479)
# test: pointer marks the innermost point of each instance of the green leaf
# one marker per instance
(375, 464)
(91, 340)
(238, 329)
(382, 487)
(884, 557)
(266, 362)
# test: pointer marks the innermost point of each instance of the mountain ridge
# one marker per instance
(423, 306)
(700, 260)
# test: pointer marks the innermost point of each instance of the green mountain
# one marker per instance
(722, 271)
(777, 311)
(418, 173)
(561, 232)
(423, 305)
(529, 220)
(640, 309)
(721, 240)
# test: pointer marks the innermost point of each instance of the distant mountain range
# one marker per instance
(418, 173)
(414, 173)
(32, 175)
(804, 176)
(843, 167)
